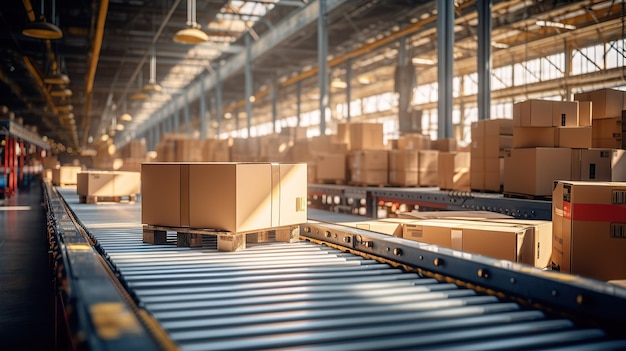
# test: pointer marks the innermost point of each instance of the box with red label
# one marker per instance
(589, 228)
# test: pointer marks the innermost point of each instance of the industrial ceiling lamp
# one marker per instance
(193, 34)
(56, 78)
(139, 95)
(125, 117)
(61, 92)
(152, 86)
(42, 29)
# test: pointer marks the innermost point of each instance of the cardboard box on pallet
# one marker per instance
(477, 173)
(528, 137)
(235, 197)
(65, 175)
(94, 183)
(494, 174)
(403, 160)
(369, 176)
(589, 230)
(107, 183)
(532, 171)
(369, 159)
(403, 178)
(414, 142)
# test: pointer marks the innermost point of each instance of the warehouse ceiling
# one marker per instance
(110, 50)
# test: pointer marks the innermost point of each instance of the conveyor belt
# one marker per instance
(310, 296)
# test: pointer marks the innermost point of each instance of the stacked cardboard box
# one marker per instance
(235, 197)
(216, 150)
(453, 172)
(490, 139)
(245, 149)
(369, 167)
(403, 167)
(427, 167)
(368, 158)
(589, 227)
(607, 106)
(275, 148)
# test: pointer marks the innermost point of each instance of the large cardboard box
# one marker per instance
(235, 197)
(369, 176)
(573, 137)
(94, 183)
(444, 145)
(565, 114)
(403, 177)
(330, 167)
(498, 126)
(591, 164)
(108, 184)
(165, 194)
(605, 103)
(403, 160)
(477, 173)
(533, 113)
(532, 171)
(494, 174)
(414, 142)
(369, 159)
(527, 137)
(495, 145)
(589, 229)
(366, 136)
(65, 175)
(498, 240)
(427, 164)
(453, 171)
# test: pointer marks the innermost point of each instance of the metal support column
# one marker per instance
(404, 84)
(274, 103)
(248, 82)
(202, 111)
(218, 101)
(567, 49)
(176, 117)
(322, 62)
(186, 114)
(21, 162)
(298, 101)
(484, 58)
(348, 89)
(445, 71)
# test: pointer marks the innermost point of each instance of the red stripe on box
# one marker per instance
(594, 212)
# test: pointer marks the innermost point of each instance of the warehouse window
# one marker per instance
(470, 84)
(615, 54)
(587, 60)
(501, 77)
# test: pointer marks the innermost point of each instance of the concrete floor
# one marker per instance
(26, 289)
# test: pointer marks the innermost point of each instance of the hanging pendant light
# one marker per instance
(125, 117)
(139, 95)
(193, 34)
(152, 86)
(42, 29)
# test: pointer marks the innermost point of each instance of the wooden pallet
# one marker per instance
(90, 199)
(226, 241)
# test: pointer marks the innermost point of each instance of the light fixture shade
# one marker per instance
(61, 92)
(65, 108)
(126, 117)
(59, 79)
(190, 36)
(42, 30)
(152, 88)
(139, 96)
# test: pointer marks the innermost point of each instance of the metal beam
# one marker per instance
(445, 72)
(484, 59)
(248, 82)
(322, 63)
